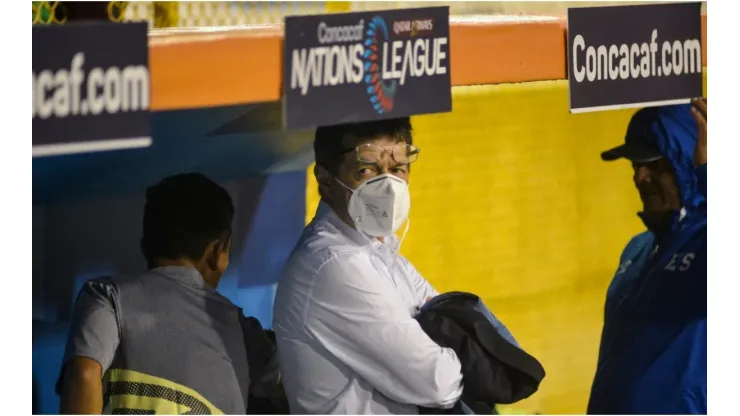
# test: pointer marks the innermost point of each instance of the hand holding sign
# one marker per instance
(634, 55)
(699, 111)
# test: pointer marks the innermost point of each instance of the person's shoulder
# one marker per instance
(339, 273)
(637, 245)
(355, 260)
(112, 285)
(320, 244)
(118, 281)
(631, 260)
(103, 286)
(320, 277)
(328, 262)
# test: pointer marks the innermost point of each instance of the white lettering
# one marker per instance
(113, 89)
(591, 63)
(96, 102)
(339, 34)
(613, 64)
(61, 94)
(635, 60)
(685, 260)
(401, 26)
(355, 73)
(331, 74)
(424, 25)
(416, 58)
(671, 266)
(623, 267)
(578, 71)
(418, 67)
(602, 62)
(666, 58)
(387, 67)
(396, 59)
(135, 86)
(624, 61)
(645, 61)
(408, 61)
(653, 50)
(45, 106)
(326, 66)
(692, 56)
(299, 69)
(677, 58)
(318, 64)
(634, 54)
(77, 75)
(441, 55)
(34, 101)
(686, 263)
(341, 64)
(406, 26)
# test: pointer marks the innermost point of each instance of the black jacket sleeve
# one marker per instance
(266, 394)
(261, 356)
(494, 371)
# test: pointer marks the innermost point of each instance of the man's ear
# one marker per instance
(213, 253)
(324, 178)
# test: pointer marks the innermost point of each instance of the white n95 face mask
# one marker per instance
(380, 205)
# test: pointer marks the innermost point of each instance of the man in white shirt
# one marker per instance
(347, 339)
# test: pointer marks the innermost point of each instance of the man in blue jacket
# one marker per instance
(653, 354)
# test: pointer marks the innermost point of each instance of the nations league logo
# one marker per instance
(365, 66)
(380, 92)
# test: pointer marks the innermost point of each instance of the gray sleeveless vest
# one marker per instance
(181, 347)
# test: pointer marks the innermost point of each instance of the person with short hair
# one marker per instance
(344, 310)
(165, 341)
(653, 353)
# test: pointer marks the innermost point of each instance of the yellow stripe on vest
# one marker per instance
(131, 392)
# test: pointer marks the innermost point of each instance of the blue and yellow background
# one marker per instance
(510, 200)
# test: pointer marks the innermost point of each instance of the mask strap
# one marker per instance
(403, 236)
(345, 186)
(400, 241)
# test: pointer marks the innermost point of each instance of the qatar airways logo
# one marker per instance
(413, 27)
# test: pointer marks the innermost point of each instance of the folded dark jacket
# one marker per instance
(495, 369)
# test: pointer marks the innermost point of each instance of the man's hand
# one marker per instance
(699, 111)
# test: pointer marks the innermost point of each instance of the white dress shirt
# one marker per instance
(347, 339)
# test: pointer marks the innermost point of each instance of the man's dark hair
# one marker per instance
(332, 142)
(183, 214)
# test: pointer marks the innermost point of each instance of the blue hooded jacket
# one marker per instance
(653, 354)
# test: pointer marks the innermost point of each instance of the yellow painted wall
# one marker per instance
(511, 201)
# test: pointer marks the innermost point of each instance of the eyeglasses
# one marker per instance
(373, 153)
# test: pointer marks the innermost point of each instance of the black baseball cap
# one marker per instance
(635, 151)
(639, 140)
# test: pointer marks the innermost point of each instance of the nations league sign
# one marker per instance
(90, 88)
(634, 56)
(353, 67)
